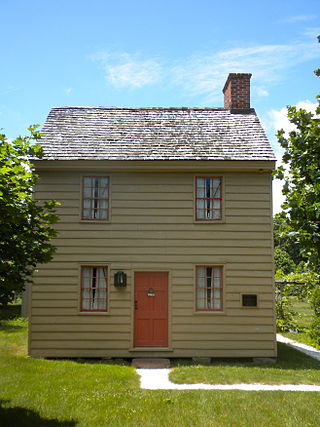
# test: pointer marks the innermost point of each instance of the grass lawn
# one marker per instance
(292, 367)
(54, 393)
(303, 318)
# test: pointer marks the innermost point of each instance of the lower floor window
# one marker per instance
(94, 288)
(209, 288)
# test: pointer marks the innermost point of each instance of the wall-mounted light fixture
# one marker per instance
(120, 279)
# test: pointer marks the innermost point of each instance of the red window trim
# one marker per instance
(212, 288)
(205, 198)
(82, 288)
(83, 199)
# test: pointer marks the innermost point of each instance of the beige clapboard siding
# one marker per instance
(102, 322)
(220, 321)
(67, 205)
(74, 327)
(241, 312)
(236, 270)
(118, 343)
(159, 244)
(98, 353)
(80, 226)
(157, 261)
(200, 338)
(218, 328)
(73, 311)
(196, 236)
(152, 228)
(166, 250)
(92, 336)
(81, 321)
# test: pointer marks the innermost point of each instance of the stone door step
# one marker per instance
(151, 363)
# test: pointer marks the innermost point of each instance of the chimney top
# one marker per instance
(237, 91)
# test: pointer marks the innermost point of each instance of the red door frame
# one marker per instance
(151, 313)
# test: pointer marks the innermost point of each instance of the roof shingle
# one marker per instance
(112, 133)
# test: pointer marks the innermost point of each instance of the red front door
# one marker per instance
(151, 309)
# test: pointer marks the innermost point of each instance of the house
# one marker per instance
(165, 233)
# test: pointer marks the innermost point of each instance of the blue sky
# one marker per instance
(154, 53)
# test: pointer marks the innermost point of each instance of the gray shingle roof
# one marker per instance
(111, 133)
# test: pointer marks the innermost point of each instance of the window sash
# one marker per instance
(95, 198)
(94, 288)
(209, 288)
(208, 198)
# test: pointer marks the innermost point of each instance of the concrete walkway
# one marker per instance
(307, 349)
(158, 379)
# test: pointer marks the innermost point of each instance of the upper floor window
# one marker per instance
(95, 198)
(94, 288)
(209, 288)
(208, 198)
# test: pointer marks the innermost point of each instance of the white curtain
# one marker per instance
(208, 194)
(95, 198)
(94, 288)
(86, 288)
(217, 283)
(201, 288)
(209, 288)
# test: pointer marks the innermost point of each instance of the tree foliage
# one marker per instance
(25, 226)
(300, 216)
(301, 210)
(287, 243)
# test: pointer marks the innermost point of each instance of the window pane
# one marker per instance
(216, 184)
(208, 198)
(217, 304)
(209, 288)
(200, 187)
(104, 181)
(103, 193)
(94, 289)
(201, 209)
(95, 198)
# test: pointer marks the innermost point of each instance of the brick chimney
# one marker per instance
(237, 91)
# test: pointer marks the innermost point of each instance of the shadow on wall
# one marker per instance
(22, 417)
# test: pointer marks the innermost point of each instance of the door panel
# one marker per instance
(151, 309)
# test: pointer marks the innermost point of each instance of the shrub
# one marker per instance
(315, 325)
(285, 315)
(315, 301)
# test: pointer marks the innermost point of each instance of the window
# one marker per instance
(94, 288)
(209, 288)
(95, 199)
(208, 198)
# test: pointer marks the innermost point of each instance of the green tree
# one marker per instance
(25, 226)
(286, 242)
(301, 210)
(282, 261)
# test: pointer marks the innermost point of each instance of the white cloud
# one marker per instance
(279, 118)
(205, 74)
(127, 70)
(133, 74)
(311, 32)
(277, 196)
(261, 91)
(299, 18)
(68, 90)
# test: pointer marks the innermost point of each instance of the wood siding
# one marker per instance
(152, 228)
